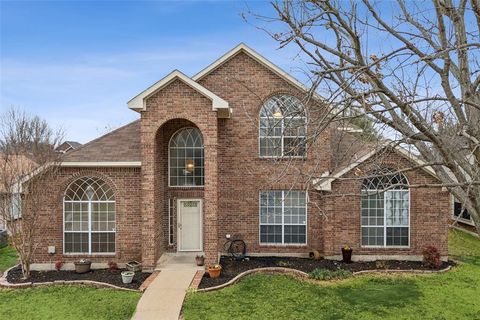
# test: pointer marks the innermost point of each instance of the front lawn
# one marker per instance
(8, 258)
(67, 302)
(452, 295)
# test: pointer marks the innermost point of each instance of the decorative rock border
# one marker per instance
(297, 273)
(96, 284)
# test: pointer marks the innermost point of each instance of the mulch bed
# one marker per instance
(100, 275)
(231, 268)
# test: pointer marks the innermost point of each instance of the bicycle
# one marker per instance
(236, 248)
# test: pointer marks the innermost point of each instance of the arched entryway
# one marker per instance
(179, 186)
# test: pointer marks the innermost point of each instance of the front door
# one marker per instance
(189, 215)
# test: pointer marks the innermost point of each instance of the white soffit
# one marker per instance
(218, 104)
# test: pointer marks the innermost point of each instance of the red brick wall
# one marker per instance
(429, 212)
(246, 85)
(165, 112)
(234, 175)
(125, 182)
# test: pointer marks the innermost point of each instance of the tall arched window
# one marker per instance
(89, 217)
(385, 209)
(186, 158)
(283, 127)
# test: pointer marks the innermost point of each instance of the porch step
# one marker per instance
(176, 261)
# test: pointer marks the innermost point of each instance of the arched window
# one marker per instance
(89, 217)
(186, 158)
(385, 209)
(283, 127)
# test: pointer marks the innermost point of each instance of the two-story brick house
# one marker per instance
(226, 152)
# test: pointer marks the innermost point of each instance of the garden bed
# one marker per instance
(232, 268)
(100, 275)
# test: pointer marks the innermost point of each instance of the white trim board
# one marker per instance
(325, 183)
(219, 105)
(120, 164)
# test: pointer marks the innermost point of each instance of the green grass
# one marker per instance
(8, 258)
(67, 302)
(451, 295)
(462, 245)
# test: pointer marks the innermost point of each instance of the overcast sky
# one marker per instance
(77, 64)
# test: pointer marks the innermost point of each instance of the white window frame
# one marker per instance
(282, 137)
(460, 219)
(168, 155)
(89, 231)
(16, 206)
(283, 222)
(385, 226)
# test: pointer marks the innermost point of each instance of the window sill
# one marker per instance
(283, 158)
(386, 247)
(96, 255)
(279, 245)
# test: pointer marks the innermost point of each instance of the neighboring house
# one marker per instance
(461, 218)
(68, 146)
(12, 169)
(224, 153)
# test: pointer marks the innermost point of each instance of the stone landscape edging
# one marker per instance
(96, 284)
(302, 274)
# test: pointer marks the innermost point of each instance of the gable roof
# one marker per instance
(120, 147)
(324, 183)
(242, 47)
(218, 104)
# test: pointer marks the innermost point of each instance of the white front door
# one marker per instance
(189, 216)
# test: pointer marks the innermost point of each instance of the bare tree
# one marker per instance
(411, 67)
(27, 161)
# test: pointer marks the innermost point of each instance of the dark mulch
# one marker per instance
(231, 268)
(101, 275)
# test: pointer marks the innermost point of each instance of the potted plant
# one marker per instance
(82, 266)
(127, 276)
(214, 271)
(200, 260)
(134, 266)
(347, 254)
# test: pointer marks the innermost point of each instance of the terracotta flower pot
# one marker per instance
(347, 255)
(214, 271)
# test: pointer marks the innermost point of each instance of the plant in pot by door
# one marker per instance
(82, 266)
(127, 276)
(214, 271)
(347, 254)
(200, 260)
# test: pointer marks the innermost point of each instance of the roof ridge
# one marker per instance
(98, 138)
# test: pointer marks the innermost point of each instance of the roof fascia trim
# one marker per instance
(243, 47)
(326, 184)
(138, 103)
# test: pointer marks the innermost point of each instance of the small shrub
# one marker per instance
(58, 265)
(112, 266)
(381, 264)
(431, 257)
(282, 263)
(325, 274)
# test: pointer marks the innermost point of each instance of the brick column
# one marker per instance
(149, 219)
(210, 210)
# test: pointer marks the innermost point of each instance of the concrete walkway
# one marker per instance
(163, 299)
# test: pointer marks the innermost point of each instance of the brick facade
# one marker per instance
(234, 176)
